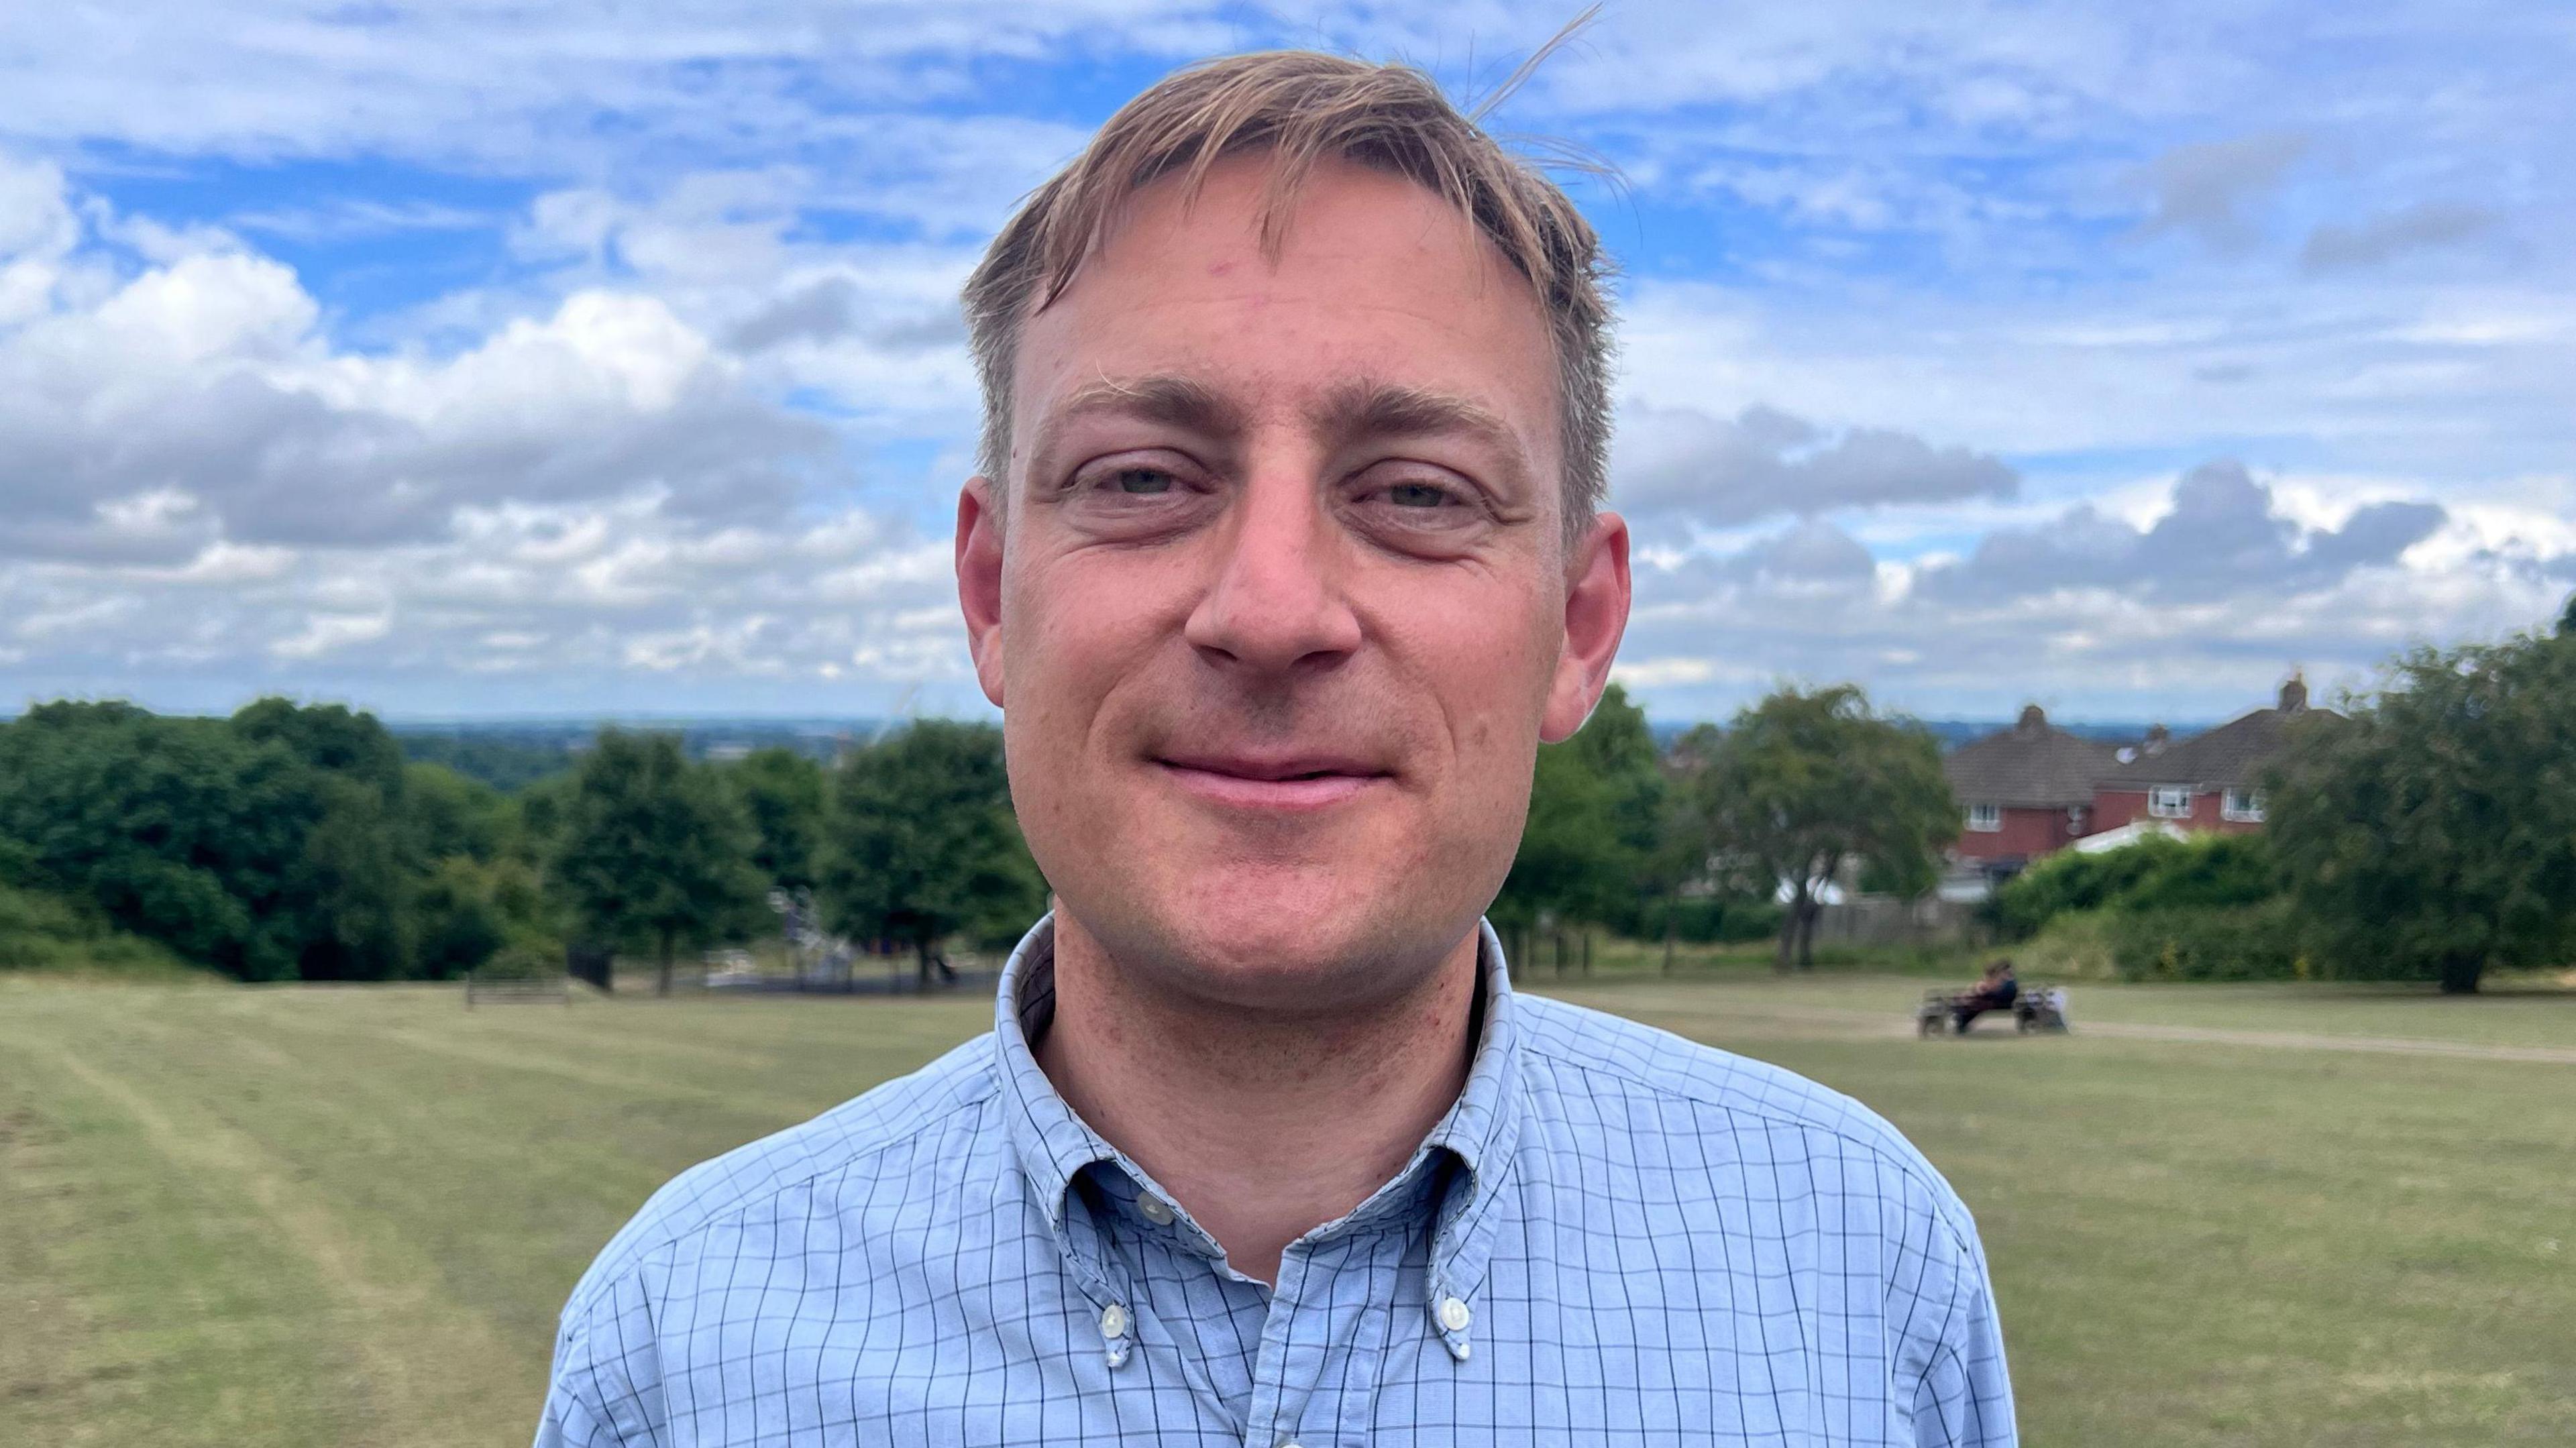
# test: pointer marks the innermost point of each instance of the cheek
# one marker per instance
(1487, 651)
(1076, 629)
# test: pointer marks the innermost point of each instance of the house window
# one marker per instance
(2242, 804)
(1985, 818)
(2170, 801)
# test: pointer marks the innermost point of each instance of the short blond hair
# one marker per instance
(1301, 107)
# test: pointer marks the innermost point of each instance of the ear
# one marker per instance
(1596, 615)
(979, 581)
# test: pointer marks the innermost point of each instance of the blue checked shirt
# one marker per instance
(1614, 1236)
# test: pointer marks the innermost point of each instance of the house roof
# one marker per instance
(2032, 765)
(2233, 755)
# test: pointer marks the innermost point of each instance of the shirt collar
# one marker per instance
(1054, 1145)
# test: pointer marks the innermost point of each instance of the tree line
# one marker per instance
(293, 842)
(2428, 832)
(296, 842)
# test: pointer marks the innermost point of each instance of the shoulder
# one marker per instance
(1609, 1055)
(832, 1152)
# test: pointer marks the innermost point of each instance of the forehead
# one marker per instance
(1374, 276)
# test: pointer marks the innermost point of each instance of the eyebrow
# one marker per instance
(1370, 408)
(1361, 407)
(1172, 401)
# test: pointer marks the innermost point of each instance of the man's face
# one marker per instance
(1276, 603)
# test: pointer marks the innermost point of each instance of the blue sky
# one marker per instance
(490, 358)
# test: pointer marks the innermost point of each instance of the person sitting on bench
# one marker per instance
(1994, 993)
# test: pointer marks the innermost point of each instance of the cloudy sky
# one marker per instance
(500, 358)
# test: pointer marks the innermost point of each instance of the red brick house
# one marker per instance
(2025, 791)
(2210, 781)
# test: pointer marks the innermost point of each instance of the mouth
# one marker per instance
(1289, 784)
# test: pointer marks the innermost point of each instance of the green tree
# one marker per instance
(351, 889)
(466, 911)
(180, 830)
(459, 928)
(1590, 844)
(2432, 834)
(288, 840)
(923, 842)
(347, 901)
(653, 848)
(329, 737)
(1564, 869)
(535, 824)
(782, 793)
(1804, 783)
(445, 813)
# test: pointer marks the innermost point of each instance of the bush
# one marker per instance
(1708, 919)
(2242, 942)
(520, 962)
(2208, 873)
(2073, 946)
(39, 931)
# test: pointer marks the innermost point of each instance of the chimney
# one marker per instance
(2157, 737)
(2034, 720)
(2294, 694)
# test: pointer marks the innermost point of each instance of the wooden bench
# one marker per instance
(517, 988)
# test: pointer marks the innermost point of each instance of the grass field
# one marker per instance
(2258, 1215)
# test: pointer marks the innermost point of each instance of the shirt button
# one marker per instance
(1113, 1322)
(1454, 1314)
(1153, 1209)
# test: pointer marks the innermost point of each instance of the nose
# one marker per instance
(1276, 605)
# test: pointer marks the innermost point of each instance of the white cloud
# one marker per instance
(513, 85)
(199, 399)
(325, 632)
(1916, 287)
(205, 486)
(1764, 462)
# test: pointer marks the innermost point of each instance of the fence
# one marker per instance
(1881, 920)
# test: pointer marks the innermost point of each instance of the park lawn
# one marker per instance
(347, 1215)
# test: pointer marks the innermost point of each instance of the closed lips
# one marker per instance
(1273, 771)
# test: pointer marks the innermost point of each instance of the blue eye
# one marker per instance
(1141, 481)
(1417, 495)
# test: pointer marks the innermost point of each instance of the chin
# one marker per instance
(1295, 939)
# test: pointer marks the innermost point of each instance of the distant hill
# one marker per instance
(510, 754)
(1954, 732)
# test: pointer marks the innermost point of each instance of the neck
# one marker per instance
(1262, 1127)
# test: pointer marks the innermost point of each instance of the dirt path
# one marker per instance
(2315, 1041)
(1883, 1023)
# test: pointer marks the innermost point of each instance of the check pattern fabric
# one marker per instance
(1615, 1236)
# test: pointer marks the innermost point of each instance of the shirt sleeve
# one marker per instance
(1964, 1399)
(606, 1387)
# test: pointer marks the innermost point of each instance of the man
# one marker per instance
(1283, 560)
(1995, 991)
